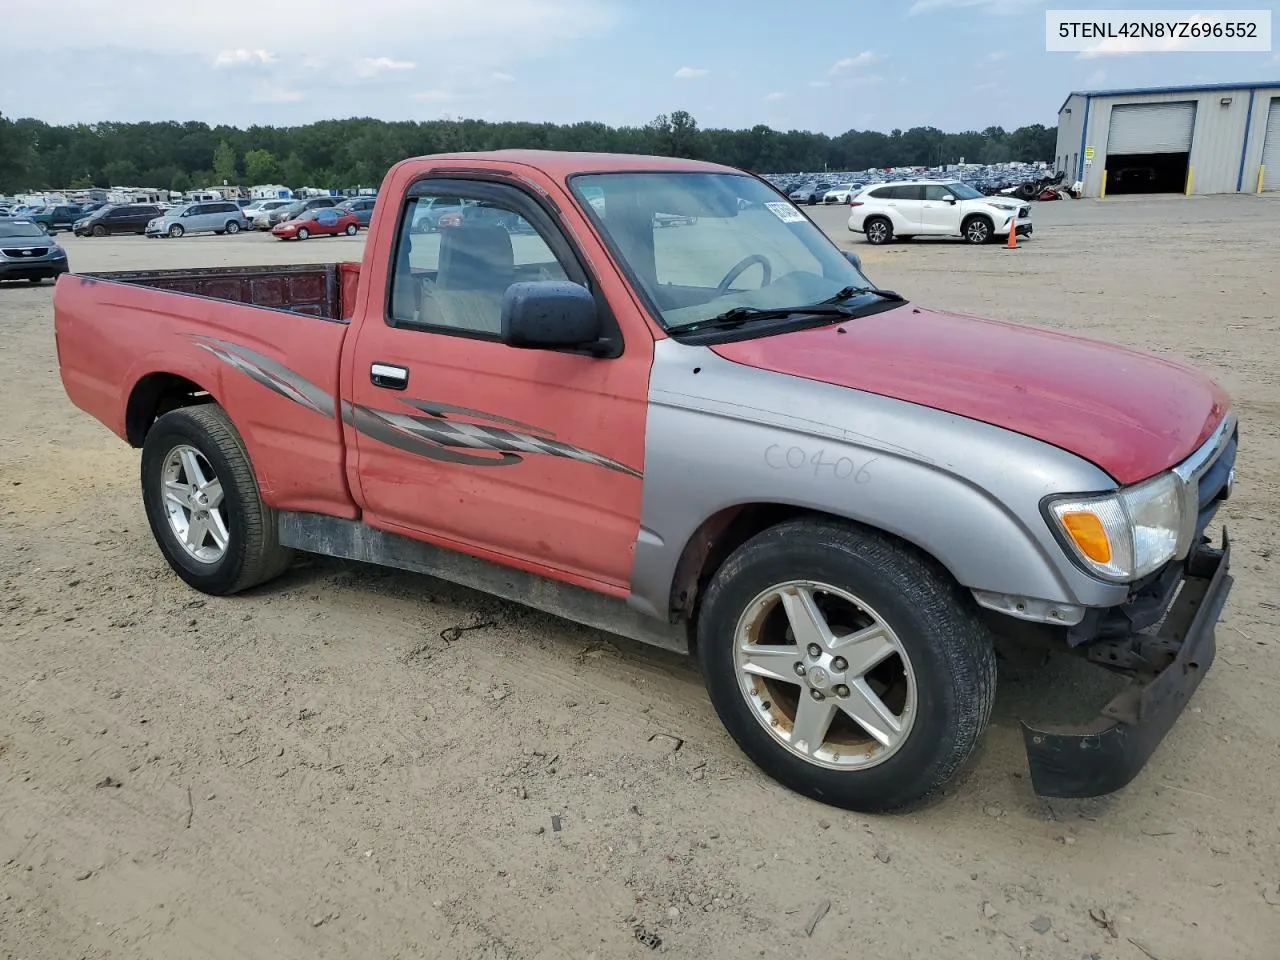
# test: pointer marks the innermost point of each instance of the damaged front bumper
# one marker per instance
(1107, 753)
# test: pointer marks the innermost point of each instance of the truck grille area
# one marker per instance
(24, 253)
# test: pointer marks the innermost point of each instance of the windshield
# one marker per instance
(19, 228)
(964, 191)
(700, 244)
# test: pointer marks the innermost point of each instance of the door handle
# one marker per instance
(389, 375)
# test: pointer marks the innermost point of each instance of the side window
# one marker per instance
(454, 263)
(198, 210)
(934, 192)
(911, 193)
(882, 193)
(327, 216)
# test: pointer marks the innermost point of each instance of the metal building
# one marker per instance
(1208, 138)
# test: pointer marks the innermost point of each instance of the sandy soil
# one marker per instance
(312, 771)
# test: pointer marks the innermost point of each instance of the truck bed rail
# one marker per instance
(324, 290)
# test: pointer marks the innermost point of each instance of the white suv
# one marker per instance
(935, 208)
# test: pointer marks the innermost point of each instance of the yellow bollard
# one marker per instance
(1102, 195)
(1187, 192)
(1260, 169)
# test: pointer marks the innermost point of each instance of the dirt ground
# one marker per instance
(311, 771)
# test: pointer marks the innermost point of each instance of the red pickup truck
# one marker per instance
(651, 396)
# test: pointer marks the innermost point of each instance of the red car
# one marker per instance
(326, 221)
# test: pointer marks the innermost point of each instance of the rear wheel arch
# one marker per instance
(156, 394)
(722, 533)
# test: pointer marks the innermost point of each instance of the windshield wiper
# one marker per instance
(848, 293)
(742, 315)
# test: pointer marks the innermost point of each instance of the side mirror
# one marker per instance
(546, 314)
(949, 198)
(854, 259)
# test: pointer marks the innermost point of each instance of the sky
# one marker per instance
(822, 65)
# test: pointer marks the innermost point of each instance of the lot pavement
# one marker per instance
(312, 771)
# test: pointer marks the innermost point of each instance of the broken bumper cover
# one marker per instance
(1106, 754)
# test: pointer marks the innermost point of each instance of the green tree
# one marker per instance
(180, 183)
(224, 163)
(260, 167)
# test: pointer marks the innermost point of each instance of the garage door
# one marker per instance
(1271, 149)
(1151, 128)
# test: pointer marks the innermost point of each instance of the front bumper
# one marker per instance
(34, 270)
(1107, 753)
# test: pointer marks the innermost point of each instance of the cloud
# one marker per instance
(271, 94)
(870, 80)
(864, 59)
(241, 57)
(775, 96)
(995, 57)
(995, 7)
(690, 73)
(1095, 78)
(499, 77)
(819, 83)
(436, 96)
(990, 85)
(372, 66)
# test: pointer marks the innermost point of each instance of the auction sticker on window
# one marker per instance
(785, 212)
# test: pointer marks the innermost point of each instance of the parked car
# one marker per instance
(837, 499)
(259, 212)
(945, 208)
(811, 193)
(28, 253)
(842, 194)
(362, 207)
(323, 222)
(215, 216)
(116, 218)
(292, 209)
(436, 211)
(55, 218)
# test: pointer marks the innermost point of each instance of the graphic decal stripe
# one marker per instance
(272, 375)
(427, 432)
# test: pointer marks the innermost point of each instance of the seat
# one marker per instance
(477, 265)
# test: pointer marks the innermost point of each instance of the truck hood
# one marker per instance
(1132, 414)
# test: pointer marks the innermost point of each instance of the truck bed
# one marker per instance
(325, 290)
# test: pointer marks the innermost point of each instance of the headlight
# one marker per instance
(1125, 535)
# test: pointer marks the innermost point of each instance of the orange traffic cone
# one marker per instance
(1013, 235)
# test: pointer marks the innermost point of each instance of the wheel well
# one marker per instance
(977, 216)
(721, 534)
(155, 395)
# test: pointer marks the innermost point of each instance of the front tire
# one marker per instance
(846, 666)
(879, 230)
(978, 230)
(176, 231)
(303, 233)
(99, 230)
(204, 506)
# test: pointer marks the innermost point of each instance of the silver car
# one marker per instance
(206, 216)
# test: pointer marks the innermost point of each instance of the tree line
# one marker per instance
(357, 152)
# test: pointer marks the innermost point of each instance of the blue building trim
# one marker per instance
(1244, 147)
(1084, 133)
(1191, 88)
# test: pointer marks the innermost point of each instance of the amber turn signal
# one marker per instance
(1089, 535)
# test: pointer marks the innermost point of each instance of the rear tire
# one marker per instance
(937, 682)
(197, 449)
(879, 230)
(352, 230)
(232, 227)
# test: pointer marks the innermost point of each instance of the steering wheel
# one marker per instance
(741, 267)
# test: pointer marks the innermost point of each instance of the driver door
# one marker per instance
(531, 457)
(940, 212)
